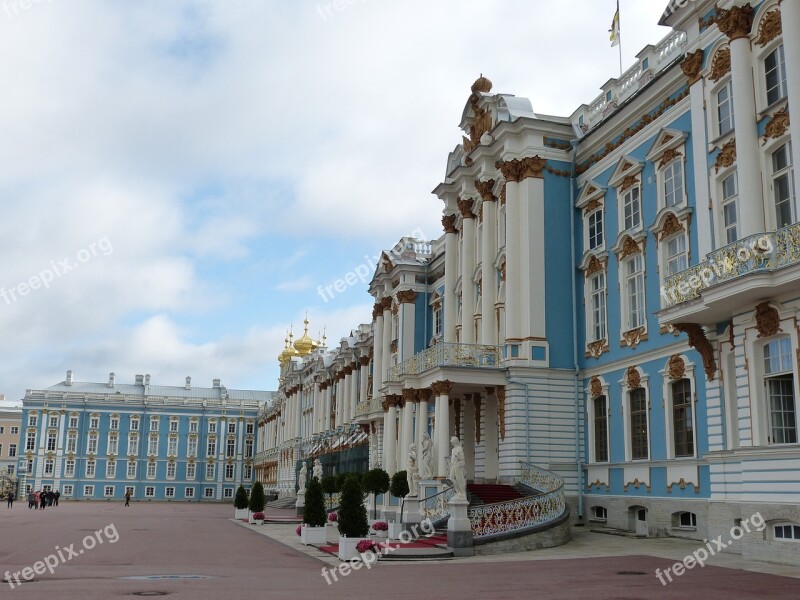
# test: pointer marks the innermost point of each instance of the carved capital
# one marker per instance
(363, 361)
(406, 296)
(465, 208)
(441, 388)
(485, 189)
(386, 303)
(409, 395)
(736, 22)
(449, 224)
(377, 310)
(692, 65)
(517, 170)
(424, 395)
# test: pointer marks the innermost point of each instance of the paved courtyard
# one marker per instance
(123, 549)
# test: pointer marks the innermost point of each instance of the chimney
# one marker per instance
(188, 385)
(147, 379)
(216, 383)
(111, 378)
(139, 379)
(68, 380)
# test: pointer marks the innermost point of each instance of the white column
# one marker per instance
(790, 18)
(532, 267)
(488, 273)
(390, 437)
(353, 390)
(467, 272)
(363, 378)
(377, 343)
(450, 277)
(736, 25)
(327, 404)
(347, 387)
(422, 419)
(513, 301)
(408, 309)
(339, 399)
(407, 437)
(443, 427)
(387, 338)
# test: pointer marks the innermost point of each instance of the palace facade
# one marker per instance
(614, 298)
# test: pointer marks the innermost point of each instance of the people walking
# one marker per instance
(31, 499)
(127, 497)
(42, 499)
(10, 499)
(56, 496)
(37, 499)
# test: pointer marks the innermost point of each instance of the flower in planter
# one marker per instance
(380, 526)
(259, 516)
(366, 546)
(333, 517)
(297, 531)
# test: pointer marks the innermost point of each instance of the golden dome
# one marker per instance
(305, 345)
(288, 352)
(481, 85)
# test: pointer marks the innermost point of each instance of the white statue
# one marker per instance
(317, 472)
(412, 473)
(373, 451)
(458, 471)
(426, 464)
(301, 478)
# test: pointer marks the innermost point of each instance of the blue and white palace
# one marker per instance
(615, 299)
(96, 441)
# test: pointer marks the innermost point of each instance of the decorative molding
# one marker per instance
(517, 170)
(699, 341)
(501, 411)
(441, 388)
(596, 349)
(682, 484)
(465, 208)
(634, 337)
(637, 484)
(770, 28)
(406, 296)
(726, 156)
(386, 303)
(449, 224)
(692, 65)
(597, 484)
(777, 126)
(768, 321)
(485, 189)
(677, 367)
(668, 156)
(409, 395)
(592, 205)
(671, 226)
(633, 378)
(736, 22)
(596, 386)
(628, 182)
(595, 266)
(720, 64)
(629, 247)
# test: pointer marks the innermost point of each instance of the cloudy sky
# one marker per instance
(178, 178)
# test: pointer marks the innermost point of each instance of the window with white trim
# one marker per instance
(684, 520)
(191, 448)
(52, 439)
(90, 468)
(152, 444)
(67, 490)
(134, 423)
(775, 75)
(108, 491)
(779, 388)
(173, 425)
(227, 493)
(208, 492)
(595, 228)
(91, 444)
(113, 443)
(639, 434)
(598, 316)
(600, 424)
(49, 465)
(230, 470)
(111, 469)
(88, 490)
(682, 418)
(131, 470)
(599, 513)
(172, 446)
(94, 422)
(133, 443)
(633, 292)
(211, 471)
(30, 441)
(153, 423)
(53, 421)
(247, 472)
(189, 492)
(113, 423)
(632, 208)
(730, 207)
(211, 448)
(190, 471)
(673, 189)
(724, 100)
(33, 420)
(73, 421)
(171, 470)
(783, 187)
(212, 427)
(169, 492)
(149, 491)
(786, 532)
(151, 470)
(193, 426)
(677, 258)
(69, 468)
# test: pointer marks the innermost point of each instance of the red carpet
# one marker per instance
(491, 493)
(423, 542)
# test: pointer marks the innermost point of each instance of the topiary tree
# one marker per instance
(329, 487)
(314, 513)
(375, 482)
(340, 479)
(257, 501)
(352, 513)
(240, 501)
(399, 489)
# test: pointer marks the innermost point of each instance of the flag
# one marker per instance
(614, 31)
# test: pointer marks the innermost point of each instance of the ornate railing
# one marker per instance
(436, 508)
(760, 253)
(448, 354)
(332, 501)
(523, 513)
(369, 407)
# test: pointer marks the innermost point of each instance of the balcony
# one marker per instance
(447, 354)
(735, 276)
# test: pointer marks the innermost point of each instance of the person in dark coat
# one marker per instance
(42, 499)
(56, 496)
(10, 499)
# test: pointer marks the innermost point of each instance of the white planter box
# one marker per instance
(258, 521)
(240, 514)
(395, 529)
(312, 535)
(347, 547)
(332, 533)
(379, 534)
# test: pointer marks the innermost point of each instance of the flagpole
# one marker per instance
(619, 25)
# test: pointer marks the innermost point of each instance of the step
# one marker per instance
(403, 554)
(617, 532)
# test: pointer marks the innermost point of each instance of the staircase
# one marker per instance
(491, 493)
(287, 502)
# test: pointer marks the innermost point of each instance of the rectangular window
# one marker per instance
(212, 427)
(211, 450)
(598, 306)
(90, 468)
(73, 422)
(230, 449)
(170, 470)
(677, 259)
(151, 470)
(632, 208)
(600, 429)
(247, 472)
(72, 442)
(437, 320)
(230, 471)
(152, 445)
(131, 472)
(192, 426)
(250, 428)
(111, 469)
(114, 423)
(190, 471)
(248, 448)
(779, 383)
(149, 491)
(730, 207)
(113, 444)
(231, 426)
(208, 492)
(88, 490)
(154, 424)
(49, 465)
(191, 448)
(634, 290)
(227, 493)
(33, 420)
(30, 441)
(91, 445)
(134, 424)
(189, 492)
(725, 109)
(169, 492)
(783, 186)
(673, 183)
(596, 229)
(67, 490)
(94, 422)
(638, 402)
(108, 491)
(787, 532)
(682, 418)
(210, 472)
(173, 425)
(53, 422)
(15, 430)
(52, 438)
(12, 450)
(29, 466)
(172, 446)
(775, 74)
(69, 468)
